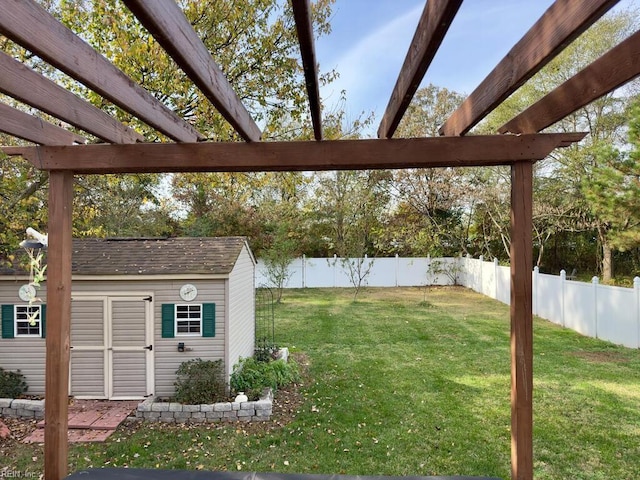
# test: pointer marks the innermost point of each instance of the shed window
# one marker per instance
(28, 321)
(189, 319)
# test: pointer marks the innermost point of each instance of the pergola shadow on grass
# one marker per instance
(126, 151)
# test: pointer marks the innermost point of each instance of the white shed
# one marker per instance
(140, 307)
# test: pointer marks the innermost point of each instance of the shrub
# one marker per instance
(200, 381)
(252, 376)
(12, 384)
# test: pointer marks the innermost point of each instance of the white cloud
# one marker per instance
(368, 70)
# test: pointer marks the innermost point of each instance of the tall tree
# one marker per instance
(437, 199)
(561, 202)
(255, 44)
(618, 208)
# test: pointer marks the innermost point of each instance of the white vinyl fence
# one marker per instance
(385, 272)
(594, 310)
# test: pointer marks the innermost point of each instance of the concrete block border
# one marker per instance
(22, 408)
(260, 410)
(152, 411)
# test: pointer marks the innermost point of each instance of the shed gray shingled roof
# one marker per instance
(164, 256)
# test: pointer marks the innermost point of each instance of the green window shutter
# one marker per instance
(209, 320)
(43, 321)
(168, 320)
(7, 321)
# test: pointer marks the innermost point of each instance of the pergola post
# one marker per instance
(521, 322)
(58, 324)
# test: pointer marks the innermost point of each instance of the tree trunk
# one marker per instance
(607, 262)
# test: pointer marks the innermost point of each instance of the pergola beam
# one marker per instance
(564, 21)
(612, 70)
(33, 129)
(432, 27)
(63, 49)
(304, 28)
(167, 23)
(28, 86)
(298, 156)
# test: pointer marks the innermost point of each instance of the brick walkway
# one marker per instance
(90, 420)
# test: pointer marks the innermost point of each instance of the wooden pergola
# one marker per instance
(517, 144)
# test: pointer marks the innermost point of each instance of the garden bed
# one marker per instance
(153, 410)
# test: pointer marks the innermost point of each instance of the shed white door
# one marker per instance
(130, 349)
(88, 367)
(111, 346)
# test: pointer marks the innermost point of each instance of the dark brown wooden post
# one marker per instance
(521, 322)
(58, 325)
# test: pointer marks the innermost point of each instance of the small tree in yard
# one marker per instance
(358, 269)
(277, 259)
(450, 269)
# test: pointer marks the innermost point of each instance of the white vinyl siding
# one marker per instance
(26, 354)
(241, 309)
(166, 356)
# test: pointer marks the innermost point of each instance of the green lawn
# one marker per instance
(400, 386)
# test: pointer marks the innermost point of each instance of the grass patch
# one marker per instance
(400, 384)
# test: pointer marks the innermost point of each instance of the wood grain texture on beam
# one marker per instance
(58, 325)
(521, 321)
(63, 49)
(12, 151)
(432, 27)
(304, 27)
(28, 86)
(612, 70)
(564, 21)
(167, 23)
(33, 129)
(299, 156)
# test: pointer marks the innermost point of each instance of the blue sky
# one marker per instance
(370, 38)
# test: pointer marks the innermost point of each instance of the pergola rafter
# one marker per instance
(171, 29)
(34, 129)
(304, 28)
(615, 68)
(63, 49)
(433, 25)
(66, 51)
(563, 22)
(28, 86)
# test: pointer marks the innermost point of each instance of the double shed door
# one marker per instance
(112, 346)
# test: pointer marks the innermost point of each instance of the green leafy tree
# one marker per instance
(618, 208)
(437, 199)
(253, 41)
(561, 199)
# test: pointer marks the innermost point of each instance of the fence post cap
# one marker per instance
(595, 280)
(636, 282)
(563, 274)
(536, 269)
